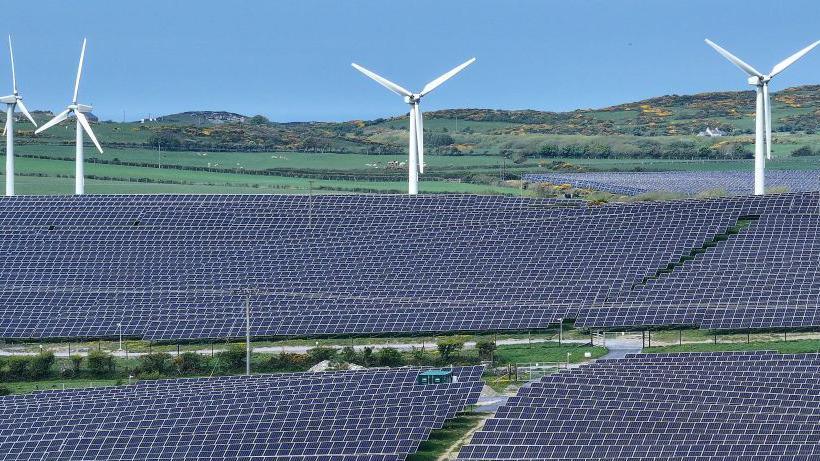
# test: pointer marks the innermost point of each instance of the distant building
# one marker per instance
(712, 133)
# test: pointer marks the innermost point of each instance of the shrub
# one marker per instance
(156, 362)
(100, 363)
(367, 358)
(319, 354)
(40, 365)
(420, 357)
(389, 357)
(18, 367)
(286, 361)
(486, 349)
(448, 348)
(76, 362)
(348, 354)
(4, 390)
(232, 358)
(189, 362)
(803, 151)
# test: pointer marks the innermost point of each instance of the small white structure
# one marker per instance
(716, 133)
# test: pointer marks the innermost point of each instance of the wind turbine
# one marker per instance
(12, 101)
(763, 112)
(79, 111)
(415, 165)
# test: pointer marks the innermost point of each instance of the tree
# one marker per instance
(18, 367)
(157, 362)
(389, 357)
(258, 120)
(100, 363)
(188, 362)
(486, 349)
(367, 357)
(165, 140)
(348, 354)
(40, 365)
(233, 358)
(76, 362)
(448, 348)
(320, 354)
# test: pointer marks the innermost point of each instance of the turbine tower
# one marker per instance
(79, 111)
(763, 112)
(12, 101)
(415, 165)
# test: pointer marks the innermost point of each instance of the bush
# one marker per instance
(389, 357)
(189, 362)
(232, 358)
(803, 151)
(100, 363)
(286, 361)
(157, 362)
(76, 362)
(319, 354)
(448, 348)
(4, 390)
(486, 349)
(367, 358)
(348, 354)
(18, 367)
(40, 365)
(420, 357)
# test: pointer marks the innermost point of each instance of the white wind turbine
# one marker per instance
(763, 112)
(12, 101)
(415, 165)
(79, 111)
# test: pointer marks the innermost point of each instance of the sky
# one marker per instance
(290, 60)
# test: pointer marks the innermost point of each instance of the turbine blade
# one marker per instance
(435, 83)
(383, 81)
(782, 65)
(420, 137)
(13, 75)
(79, 73)
(767, 120)
(734, 60)
(25, 111)
(57, 119)
(87, 128)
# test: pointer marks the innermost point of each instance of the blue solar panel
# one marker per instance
(711, 406)
(372, 414)
(683, 182)
(167, 267)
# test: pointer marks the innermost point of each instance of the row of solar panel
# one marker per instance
(712, 406)
(473, 263)
(371, 414)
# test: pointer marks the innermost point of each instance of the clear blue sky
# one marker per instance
(291, 60)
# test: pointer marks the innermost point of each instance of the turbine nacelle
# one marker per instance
(412, 99)
(80, 108)
(10, 99)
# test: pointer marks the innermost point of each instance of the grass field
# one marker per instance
(448, 437)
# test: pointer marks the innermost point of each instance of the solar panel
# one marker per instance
(168, 267)
(683, 182)
(711, 406)
(371, 414)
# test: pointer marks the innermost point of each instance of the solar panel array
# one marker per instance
(167, 267)
(379, 415)
(696, 406)
(683, 182)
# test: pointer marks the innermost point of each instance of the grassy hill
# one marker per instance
(468, 150)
